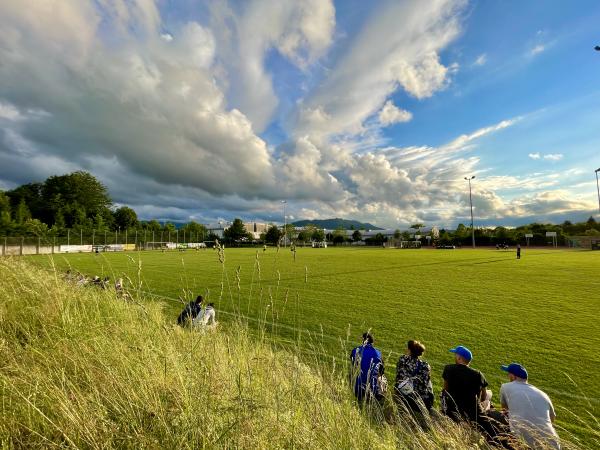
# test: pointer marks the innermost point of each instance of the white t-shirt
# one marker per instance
(530, 414)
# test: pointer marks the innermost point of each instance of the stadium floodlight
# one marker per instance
(284, 224)
(471, 203)
(598, 187)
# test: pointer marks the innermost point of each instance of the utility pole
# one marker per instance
(471, 203)
(598, 187)
(284, 224)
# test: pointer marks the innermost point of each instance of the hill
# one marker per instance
(332, 224)
(81, 368)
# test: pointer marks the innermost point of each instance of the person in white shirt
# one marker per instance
(530, 411)
(207, 317)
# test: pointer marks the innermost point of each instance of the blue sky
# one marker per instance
(366, 110)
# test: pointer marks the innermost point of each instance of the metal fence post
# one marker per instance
(37, 250)
(21, 248)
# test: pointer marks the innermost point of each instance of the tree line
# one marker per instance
(75, 202)
(79, 203)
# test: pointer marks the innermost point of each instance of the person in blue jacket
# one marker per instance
(367, 368)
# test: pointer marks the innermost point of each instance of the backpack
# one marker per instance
(406, 386)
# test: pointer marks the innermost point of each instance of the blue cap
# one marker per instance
(515, 369)
(462, 351)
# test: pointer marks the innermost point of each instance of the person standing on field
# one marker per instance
(530, 411)
(518, 251)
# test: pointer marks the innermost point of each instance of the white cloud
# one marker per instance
(553, 156)
(481, 60)
(169, 121)
(537, 49)
(391, 114)
(301, 31)
(547, 156)
(382, 58)
(151, 104)
(9, 112)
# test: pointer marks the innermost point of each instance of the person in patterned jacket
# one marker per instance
(413, 386)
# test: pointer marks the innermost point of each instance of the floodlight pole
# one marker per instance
(598, 188)
(284, 224)
(471, 203)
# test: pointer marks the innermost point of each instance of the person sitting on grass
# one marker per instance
(413, 385)
(530, 411)
(367, 368)
(464, 390)
(190, 312)
(207, 318)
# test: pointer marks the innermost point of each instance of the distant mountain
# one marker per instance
(332, 224)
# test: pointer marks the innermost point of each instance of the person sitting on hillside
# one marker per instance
(190, 312)
(530, 411)
(367, 368)
(464, 390)
(413, 385)
(207, 318)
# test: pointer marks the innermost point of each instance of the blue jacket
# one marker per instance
(371, 365)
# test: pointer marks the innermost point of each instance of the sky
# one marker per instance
(375, 111)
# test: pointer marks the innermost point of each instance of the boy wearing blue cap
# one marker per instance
(530, 411)
(464, 390)
(464, 387)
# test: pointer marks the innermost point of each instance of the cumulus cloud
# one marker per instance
(170, 120)
(535, 155)
(391, 114)
(152, 104)
(301, 31)
(382, 58)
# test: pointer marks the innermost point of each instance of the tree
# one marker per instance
(153, 225)
(5, 218)
(196, 229)
(22, 213)
(35, 227)
(236, 232)
(290, 230)
(318, 235)
(417, 227)
(31, 195)
(169, 228)
(356, 236)
(273, 234)
(339, 235)
(77, 191)
(304, 235)
(397, 234)
(125, 218)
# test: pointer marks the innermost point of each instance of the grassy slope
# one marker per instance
(80, 368)
(540, 311)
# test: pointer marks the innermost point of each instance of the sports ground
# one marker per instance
(541, 311)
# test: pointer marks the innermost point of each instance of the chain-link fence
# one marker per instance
(78, 241)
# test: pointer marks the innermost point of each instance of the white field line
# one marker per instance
(339, 340)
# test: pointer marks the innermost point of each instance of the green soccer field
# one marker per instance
(541, 311)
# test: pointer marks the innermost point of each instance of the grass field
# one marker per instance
(541, 311)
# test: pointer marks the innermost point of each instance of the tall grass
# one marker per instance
(81, 368)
